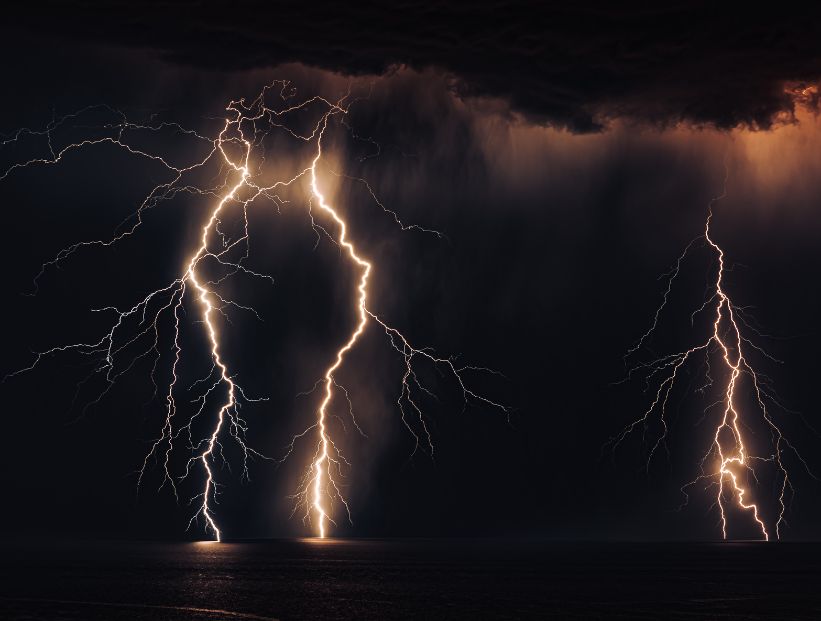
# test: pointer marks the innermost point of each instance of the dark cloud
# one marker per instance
(571, 65)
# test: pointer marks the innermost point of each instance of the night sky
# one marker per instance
(567, 156)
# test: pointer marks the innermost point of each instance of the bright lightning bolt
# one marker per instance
(239, 151)
(320, 468)
(319, 485)
(729, 463)
(205, 295)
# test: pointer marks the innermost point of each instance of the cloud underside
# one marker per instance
(574, 67)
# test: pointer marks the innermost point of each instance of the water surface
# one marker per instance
(408, 579)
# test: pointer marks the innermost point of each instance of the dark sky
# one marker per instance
(568, 156)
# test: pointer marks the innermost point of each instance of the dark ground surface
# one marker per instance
(409, 579)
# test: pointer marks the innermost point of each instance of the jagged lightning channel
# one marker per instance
(728, 464)
(319, 487)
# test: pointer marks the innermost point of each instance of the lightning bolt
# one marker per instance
(729, 464)
(239, 152)
(319, 487)
(319, 468)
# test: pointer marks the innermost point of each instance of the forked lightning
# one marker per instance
(729, 464)
(239, 150)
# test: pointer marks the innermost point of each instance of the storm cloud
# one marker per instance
(576, 67)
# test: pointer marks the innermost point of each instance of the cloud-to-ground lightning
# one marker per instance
(730, 464)
(319, 483)
(238, 151)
